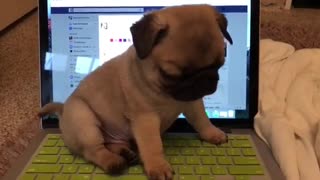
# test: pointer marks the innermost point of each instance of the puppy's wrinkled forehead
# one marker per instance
(182, 35)
(193, 29)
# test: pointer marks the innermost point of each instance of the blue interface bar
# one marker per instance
(130, 10)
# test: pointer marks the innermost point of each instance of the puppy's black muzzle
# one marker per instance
(195, 87)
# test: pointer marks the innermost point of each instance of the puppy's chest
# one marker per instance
(168, 114)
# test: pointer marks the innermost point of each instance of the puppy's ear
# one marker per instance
(146, 33)
(223, 24)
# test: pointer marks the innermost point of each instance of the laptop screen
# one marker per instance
(83, 34)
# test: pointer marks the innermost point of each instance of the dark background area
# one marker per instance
(306, 4)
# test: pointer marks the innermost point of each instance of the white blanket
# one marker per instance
(289, 108)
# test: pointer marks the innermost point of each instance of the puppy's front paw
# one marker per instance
(159, 169)
(214, 135)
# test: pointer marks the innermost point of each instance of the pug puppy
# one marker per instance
(122, 108)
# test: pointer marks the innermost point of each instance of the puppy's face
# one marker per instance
(183, 48)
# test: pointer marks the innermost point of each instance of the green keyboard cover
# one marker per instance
(191, 159)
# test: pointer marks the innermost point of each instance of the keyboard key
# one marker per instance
(245, 160)
(168, 143)
(44, 168)
(54, 136)
(69, 168)
(44, 177)
(135, 170)
(208, 178)
(202, 170)
(62, 177)
(177, 160)
(103, 177)
(224, 160)
(66, 159)
(60, 143)
(189, 177)
(172, 151)
(99, 171)
(28, 177)
(218, 170)
(228, 144)
(49, 151)
(187, 151)
(241, 143)
(248, 152)
(234, 152)
(45, 159)
(241, 137)
(193, 160)
(80, 177)
(185, 170)
(86, 169)
(246, 170)
(218, 151)
(206, 144)
(80, 160)
(208, 160)
(50, 143)
(132, 177)
(203, 151)
(65, 151)
(175, 168)
(179, 143)
(242, 178)
(194, 143)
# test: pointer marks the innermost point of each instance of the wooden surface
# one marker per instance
(12, 10)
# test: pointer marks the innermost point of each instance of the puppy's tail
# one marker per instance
(51, 108)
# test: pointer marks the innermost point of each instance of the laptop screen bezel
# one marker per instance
(180, 125)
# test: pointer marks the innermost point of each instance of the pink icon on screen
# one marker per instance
(111, 40)
(120, 40)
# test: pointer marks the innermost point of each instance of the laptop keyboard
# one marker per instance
(191, 159)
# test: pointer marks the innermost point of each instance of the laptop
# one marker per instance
(75, 38)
